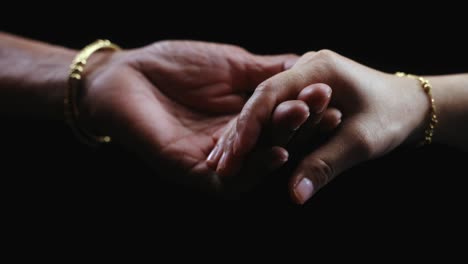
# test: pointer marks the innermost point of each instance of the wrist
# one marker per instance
(97, 89)
(450, 95)
(415, 111)
(34, 78)
(56, 82)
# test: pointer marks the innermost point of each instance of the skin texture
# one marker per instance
(380, 112)
(168, 102)
(315, 97)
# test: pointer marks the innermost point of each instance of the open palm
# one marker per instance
(172, 100)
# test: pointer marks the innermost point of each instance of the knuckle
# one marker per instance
(264, 87)
(309, 54)
(322, 64)
(253, 111)
(235, 50)
(328, 59)
(266, 91)
(326, 54)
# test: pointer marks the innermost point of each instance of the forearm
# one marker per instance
(33, 77)
(451, 96)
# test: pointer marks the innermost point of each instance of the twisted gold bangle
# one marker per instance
(426, 85)
(71, 110)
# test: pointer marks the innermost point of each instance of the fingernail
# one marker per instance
(281, 154)
(222, 163)
(329, 92)
(302, 121)
(321, 106)
(279, 157)
(303, 190)
(284, 157)
(338, 122)
(211, 159)
(289, 63)
(339, 116)
(278, 162)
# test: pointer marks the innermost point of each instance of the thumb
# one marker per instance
(344, 150)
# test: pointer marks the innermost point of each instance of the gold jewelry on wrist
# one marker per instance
(75, 84)
(426, 85)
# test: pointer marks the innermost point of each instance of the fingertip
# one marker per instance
(280, 154)
(222, 165)
(262, 67)
(289, 63)
(331, 120)
(228, 164)
(301, 189)
(276, 63)
(316, 96)
(213, 157)
(290, 114)
(337, 114)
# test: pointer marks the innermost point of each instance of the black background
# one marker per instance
(45, 171)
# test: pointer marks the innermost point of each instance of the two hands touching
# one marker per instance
(380, 112)
(188, 105)
(219, 118)
(172, 101)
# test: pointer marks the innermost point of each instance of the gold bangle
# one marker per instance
(75, 84)
(427, 87)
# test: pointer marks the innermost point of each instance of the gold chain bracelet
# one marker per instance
(427, 87)
(75, 84)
